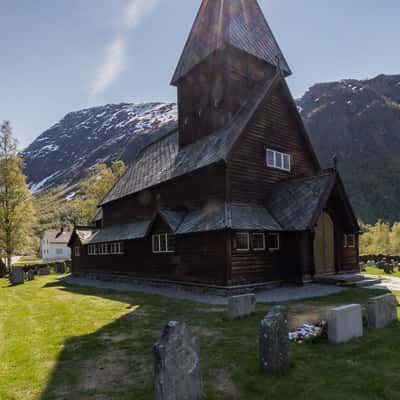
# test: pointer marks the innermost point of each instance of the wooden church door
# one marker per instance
(324, 246)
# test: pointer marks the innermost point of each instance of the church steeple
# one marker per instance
(230, 50)
(239, 23)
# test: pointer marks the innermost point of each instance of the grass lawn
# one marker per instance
(66, 342)
(377, 271)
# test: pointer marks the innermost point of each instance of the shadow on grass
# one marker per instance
(114, 362)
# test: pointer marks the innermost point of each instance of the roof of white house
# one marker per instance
(57, 237)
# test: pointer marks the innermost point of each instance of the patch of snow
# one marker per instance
(349, 103)
(70, 196)
(38, 187)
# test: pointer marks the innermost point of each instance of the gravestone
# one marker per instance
(31, 275)
(241, 306)
(177, 364)
(274, 344)
(345, 323)
(60, 268)
(44, 270)
(382, 310)
(17, 276)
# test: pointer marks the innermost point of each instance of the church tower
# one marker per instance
(230, 51)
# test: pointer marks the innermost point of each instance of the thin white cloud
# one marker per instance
(112, 66)
(136, 10)
(114, 61)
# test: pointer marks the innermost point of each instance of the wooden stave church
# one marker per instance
(235, 195)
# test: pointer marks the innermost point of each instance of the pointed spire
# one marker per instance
(239, 23)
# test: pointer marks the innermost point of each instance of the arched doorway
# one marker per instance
(324, 246)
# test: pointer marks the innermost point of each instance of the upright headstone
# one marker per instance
(60, 268)
(345, 323)
(31, 275)
(44, 270)
(17, 276)
(274, 344)
(241, 306)
(177, 364)
(382, 310)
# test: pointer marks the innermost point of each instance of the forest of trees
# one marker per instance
(380, 238)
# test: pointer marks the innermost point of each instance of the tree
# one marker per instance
(93, 189)
(16, 206)
(395, 239)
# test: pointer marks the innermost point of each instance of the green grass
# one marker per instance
(377, 271)
(65, 342)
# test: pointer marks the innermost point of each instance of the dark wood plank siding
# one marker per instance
(215, 89)
(273, 126)
(198, 258)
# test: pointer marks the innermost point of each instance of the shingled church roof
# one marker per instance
(239, 23)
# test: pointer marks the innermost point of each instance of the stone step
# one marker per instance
(364, 283)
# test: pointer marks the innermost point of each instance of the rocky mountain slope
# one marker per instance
(67, 151)
(359, 121)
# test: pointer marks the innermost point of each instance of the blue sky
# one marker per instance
(59, 56)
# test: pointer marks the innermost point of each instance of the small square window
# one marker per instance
(242, 241)
(278, 160)
(258, 241)
(77, 252)
(273, 242)
(350, 241)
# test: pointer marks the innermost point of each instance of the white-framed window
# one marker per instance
(273, 241)
(278, 160)
(258, 241)
(242, 241)
(92, 249)
(103, 249)
(116, 248)
(350, 241)
(77, 251)
(163, 243)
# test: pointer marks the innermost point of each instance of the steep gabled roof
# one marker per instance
(165, 160)
(239, 23)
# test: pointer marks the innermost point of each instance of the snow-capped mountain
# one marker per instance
(68, 150)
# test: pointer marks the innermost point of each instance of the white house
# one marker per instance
(54, 245)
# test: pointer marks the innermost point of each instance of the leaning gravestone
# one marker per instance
(345, 323)
(241, 306)
(382, 310)
(177, 364)
(274, 344)
(17, 276)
